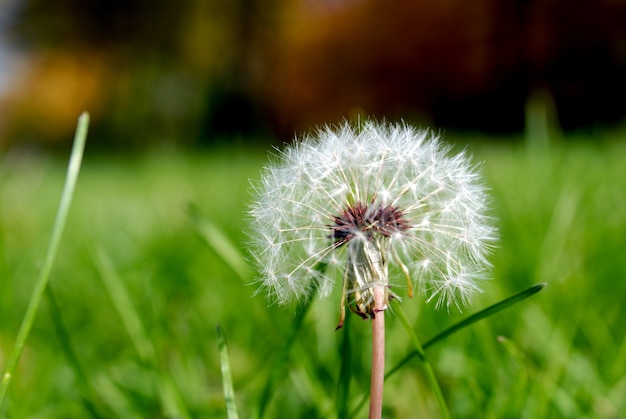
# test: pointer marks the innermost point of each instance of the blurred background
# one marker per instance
(194, 72)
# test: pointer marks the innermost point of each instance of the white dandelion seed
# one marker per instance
(368, 203)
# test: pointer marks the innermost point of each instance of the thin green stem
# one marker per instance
(227, 378)
(57, 231)
(89, 396)
(428, 369)
(221, 244)
(487, 312)
(482, 314)
(345, 372)
(170, 398)
(282, 358)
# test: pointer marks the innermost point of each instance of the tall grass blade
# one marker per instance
(169, 397)
(489, 311)
(112, 394)
(88, 396)
(283, 356)
(219, 242)
(227, 379)
(73, 169)
(345, 372)
(124, 306)
(428, 368)
(420, 349)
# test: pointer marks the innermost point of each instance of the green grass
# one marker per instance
(148, 267)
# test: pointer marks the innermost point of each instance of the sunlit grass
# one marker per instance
(561, 353)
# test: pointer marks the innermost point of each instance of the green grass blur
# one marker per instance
(146, 272)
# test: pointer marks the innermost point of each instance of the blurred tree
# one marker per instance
(197, 70)
(468, 65)
(155, 70)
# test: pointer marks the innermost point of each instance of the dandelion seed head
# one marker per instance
(363, 200)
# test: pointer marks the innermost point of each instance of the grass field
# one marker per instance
(151, 262)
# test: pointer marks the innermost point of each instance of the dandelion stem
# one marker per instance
(378, 354)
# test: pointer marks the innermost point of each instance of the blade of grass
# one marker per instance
(283, 355)
(227, 379)
(489, 311)
(419, 350)
(169, 397)
(88, 396)
(219, 242)
(112, 396)
(281, 359)
(124, 306)
(312, 381)
(345, 372)
(73, 169)
(428, 368)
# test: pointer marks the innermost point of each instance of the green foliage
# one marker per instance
(139, 285)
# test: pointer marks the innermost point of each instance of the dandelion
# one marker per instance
(371, 205)
(379, 202)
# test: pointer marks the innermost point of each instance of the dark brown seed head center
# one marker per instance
(364, 220)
